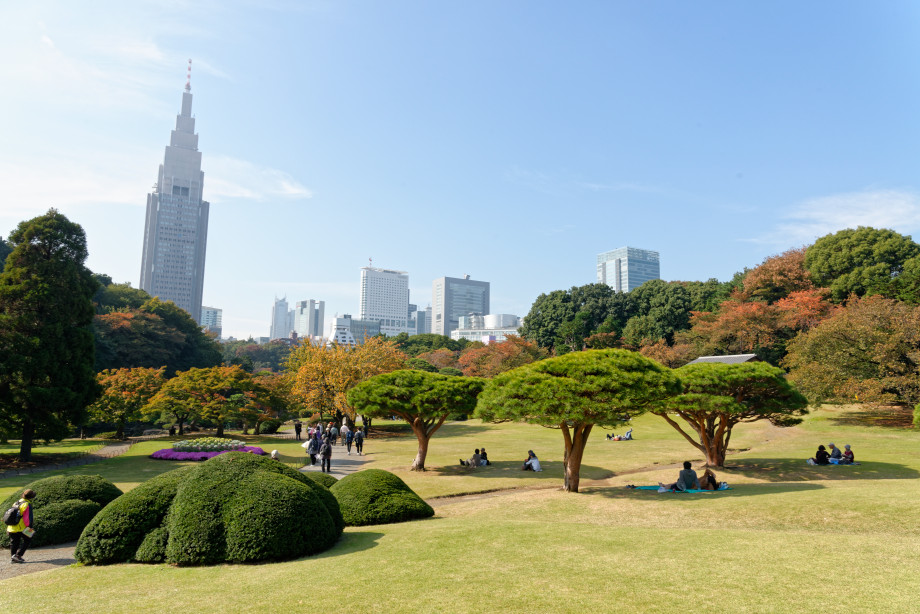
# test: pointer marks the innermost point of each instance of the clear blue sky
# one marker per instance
(512, 141)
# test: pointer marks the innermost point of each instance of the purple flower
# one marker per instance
(170, 454)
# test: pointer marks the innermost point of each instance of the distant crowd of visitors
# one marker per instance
(320, 441)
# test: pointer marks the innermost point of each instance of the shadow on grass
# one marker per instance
(351, 541)
(889, 416)
(795, 469)
(744, 490)
(552, 470)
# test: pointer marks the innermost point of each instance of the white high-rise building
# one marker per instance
(385, 298)
(452, 297)
(282, 320)
(176, 227)
(212, 319)
(627, 268)
(308, 318)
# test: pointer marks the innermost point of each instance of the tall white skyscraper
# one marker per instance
(176, 228)
(282, 320)
(385, 298)
(627, 268)
(308, 318)
(452, 297)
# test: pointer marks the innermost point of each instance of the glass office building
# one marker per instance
(627, 268)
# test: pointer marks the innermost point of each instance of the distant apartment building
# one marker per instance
(419, 320)
(385, 299)
(627, 268)
(282, 320)
(212, 319)
(308, 318)
(453, 297)
(490, 328)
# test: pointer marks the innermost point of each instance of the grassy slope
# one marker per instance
(788, 538)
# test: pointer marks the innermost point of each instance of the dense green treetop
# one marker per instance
(858, 261)
(414, 345)
(5, 249)
(117, 297)
(254, 356)
(46, 343)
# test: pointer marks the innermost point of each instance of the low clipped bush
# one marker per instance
(374, 496)
(116, 534)
(323, 479)
(236, 507)
(269, 426)
(63, 506)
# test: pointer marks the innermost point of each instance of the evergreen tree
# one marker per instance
(46, 341)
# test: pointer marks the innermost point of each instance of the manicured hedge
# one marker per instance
(62, 506)
(115, 535)
(236, 507)
(374, 496)
(323, 479)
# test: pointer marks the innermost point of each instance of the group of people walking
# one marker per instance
(320, 441)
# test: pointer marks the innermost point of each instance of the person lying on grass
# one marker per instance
(473, 460)
(686, 480)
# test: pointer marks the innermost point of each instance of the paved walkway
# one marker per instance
(341, 464)
(40, 559)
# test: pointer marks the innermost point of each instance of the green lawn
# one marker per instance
(788, 538)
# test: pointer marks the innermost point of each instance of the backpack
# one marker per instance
(12, 516)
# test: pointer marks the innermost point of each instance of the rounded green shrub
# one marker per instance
(62, 506)
(236, 507)
(323, 479)
(374, 496)
(115, 534)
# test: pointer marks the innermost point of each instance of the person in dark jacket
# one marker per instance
(21, 532)
(325, 452)
(298, 429)
(359, 441)
(821, 456)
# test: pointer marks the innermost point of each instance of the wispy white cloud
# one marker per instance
(230, 178)
(813, 218)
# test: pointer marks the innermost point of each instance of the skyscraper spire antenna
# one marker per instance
(188, 77)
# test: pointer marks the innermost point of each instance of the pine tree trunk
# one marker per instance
(573, 467)
(28, 435)
(220, 430)
(419, 464)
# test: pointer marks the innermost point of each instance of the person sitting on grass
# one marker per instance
(473, 460)
(708, 481)
(532, 463)
(836, 454)
(686, 480)
(483, 458)
(821, 457)
(848, 458)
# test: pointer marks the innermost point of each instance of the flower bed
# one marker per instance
(208, 444)
(201, 455)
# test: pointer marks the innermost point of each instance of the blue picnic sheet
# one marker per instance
(655, 488)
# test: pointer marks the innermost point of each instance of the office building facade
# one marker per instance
(385, 299)
(452, 297)
(212, 319)
(308, 318)
(282, 320)
(627, 268)
(176, 226)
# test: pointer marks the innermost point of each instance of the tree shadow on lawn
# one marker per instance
(891, 416)
(552, 470)
(795, 469)
(743, 490)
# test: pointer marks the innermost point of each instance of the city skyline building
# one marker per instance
(282, 320)
(627, 268)
(490, 328)
(385, 299)
(452, 297)
(176, 224)
(308, 318)
(212, 319)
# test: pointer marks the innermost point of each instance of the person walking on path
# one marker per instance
(349, 438)
(21, 533)
(298, 428)
(325, 452)
(334, 433)
(359, 441)
(344, 432)
(313, 449)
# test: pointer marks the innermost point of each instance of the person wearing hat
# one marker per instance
(848, 457)
(21, 533)
(836, 454)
